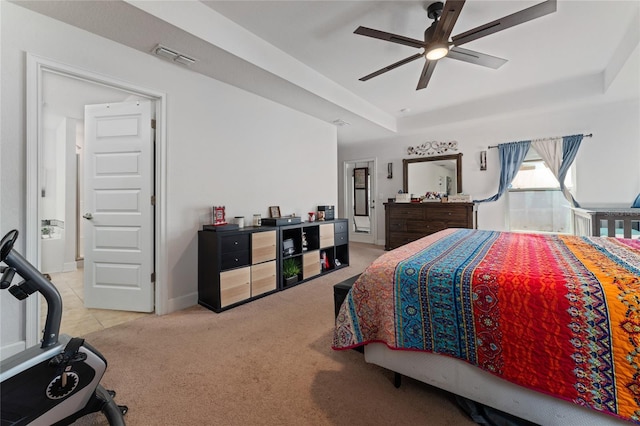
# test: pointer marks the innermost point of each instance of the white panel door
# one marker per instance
(118, 214)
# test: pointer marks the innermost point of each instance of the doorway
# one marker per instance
(57, 95)
(359, 194)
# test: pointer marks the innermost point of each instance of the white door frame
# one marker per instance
(346, 179)
(36, 66)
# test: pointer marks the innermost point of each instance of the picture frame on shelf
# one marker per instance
(274, 212)
(218, 215)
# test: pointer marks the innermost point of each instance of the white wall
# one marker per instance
(225, 146)
(607, 171)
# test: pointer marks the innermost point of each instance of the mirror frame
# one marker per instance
(407, 161)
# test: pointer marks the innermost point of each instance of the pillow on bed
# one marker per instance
(636, 202)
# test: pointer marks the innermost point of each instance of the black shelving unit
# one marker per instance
(235, 267)
(329, 237)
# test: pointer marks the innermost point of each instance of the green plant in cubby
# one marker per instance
(290, 271)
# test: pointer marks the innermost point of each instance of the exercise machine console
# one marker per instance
(57, 382)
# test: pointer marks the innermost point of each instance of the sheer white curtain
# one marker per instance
(558, 154)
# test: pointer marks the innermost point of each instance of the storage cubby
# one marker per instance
(296, 237)
(342, 254)
(330, 254)
(312, 234)
(297, 259)
(321, 237)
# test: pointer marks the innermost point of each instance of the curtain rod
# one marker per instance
(546, 139)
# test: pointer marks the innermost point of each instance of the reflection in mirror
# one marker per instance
(442, 173)
(361, 191)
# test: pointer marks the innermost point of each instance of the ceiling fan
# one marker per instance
(436, 42)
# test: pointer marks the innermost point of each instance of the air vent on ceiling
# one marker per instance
(173, 55)
(339, 122)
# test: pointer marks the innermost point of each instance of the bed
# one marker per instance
(538, 326)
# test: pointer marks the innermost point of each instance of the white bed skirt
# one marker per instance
(471, 382)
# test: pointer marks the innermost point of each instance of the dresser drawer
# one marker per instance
(458, 215)
(400, 239)
(341, 227)
(419, 226)
(235, 242)
(406, 213)
(234, 259)
(397, 225)
(439, 225)
(341, 238)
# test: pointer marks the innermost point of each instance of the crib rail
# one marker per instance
(623, 223)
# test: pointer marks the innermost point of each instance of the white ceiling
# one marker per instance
(304, 54)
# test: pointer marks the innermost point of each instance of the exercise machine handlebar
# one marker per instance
(33, 281)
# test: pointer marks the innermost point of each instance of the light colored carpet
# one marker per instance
(268, 362)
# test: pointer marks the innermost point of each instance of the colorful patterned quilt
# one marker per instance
(555, 313)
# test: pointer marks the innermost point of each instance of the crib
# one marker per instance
(610, 222)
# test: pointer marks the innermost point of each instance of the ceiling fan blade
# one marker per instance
(477, 58)
(450, 12)
(394, 38)
(392, 66)
(508, 21)
(427, 71)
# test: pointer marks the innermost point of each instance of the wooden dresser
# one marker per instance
(406, 222)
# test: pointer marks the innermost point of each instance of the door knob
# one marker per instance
(88, 216)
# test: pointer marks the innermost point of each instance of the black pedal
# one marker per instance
(18, 292)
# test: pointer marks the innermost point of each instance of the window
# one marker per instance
(536, 203)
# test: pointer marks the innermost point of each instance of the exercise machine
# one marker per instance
(57, 382)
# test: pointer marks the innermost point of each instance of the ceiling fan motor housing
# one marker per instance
(434, 11)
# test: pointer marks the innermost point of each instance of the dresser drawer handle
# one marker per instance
(235, 242)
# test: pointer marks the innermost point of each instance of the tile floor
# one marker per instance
(77, 321)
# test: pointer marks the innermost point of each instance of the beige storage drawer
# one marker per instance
(263, 278)
(310, 264)
(326, 235)
(235, 286)
(263, 246)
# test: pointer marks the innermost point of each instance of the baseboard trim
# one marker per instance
(70, 267)
(179, 303)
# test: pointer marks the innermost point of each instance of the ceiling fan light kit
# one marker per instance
(436, 42)
(436, 52)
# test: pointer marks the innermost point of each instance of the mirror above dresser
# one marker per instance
(415, 218)
(440, 173)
